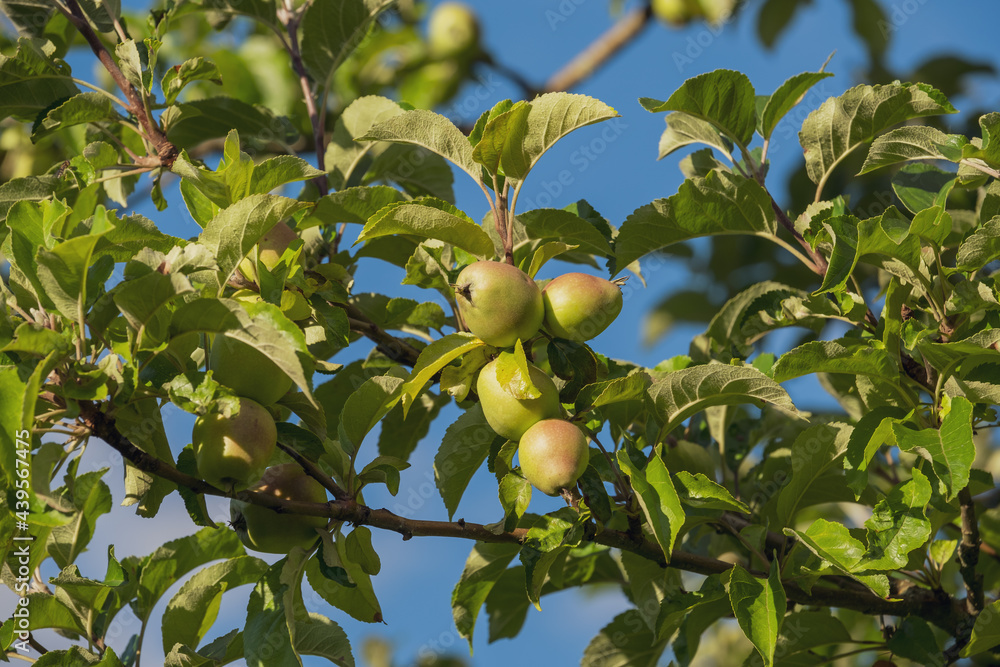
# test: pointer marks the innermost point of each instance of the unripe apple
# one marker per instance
(263, 529)
(500, 303)
(453, 30)
(268, 250)
(247, 371)
(579, 306)
(510, 416)
(553, 454)
(672, 12)
(232, 452)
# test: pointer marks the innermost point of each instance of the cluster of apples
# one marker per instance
(503, 306)
(232, 452)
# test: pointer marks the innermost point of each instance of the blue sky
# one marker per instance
(536, 37)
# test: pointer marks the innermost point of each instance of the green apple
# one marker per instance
(268, 250)
(247, 371)
(579, 306)
(452, 31)
(232, 452)
(510, 416)
(676, 13)
(553, 454)
(499, 303)
(262, 529)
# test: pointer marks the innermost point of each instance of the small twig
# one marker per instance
(316, 473)
(600, 51)
(396, 349)
(530, 90)
(290, 19)
(166, 152)
(981, 166)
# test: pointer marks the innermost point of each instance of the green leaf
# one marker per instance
(989, 152)
(259, 325)
(193, 69)
(267, 635)
(430, 130)
(551, 223)
(885, 238)
(544, 253)
(609, 392)
(913, 143)
(465, 445)
(429, 219)
(280, 170)
(980, 248)
(142, 423)
(841, 124)
(324, 638)
(920, 186)
(680, 394)
(986, 631)
(191, 123)
(365, 408)
(788, 94)
(90, 497)
(32, 80)
(625, 641)
(165, 566)
(808, 630)
(701, 492)
(914, 639)
(79, 657)
(355, 205)
(236, 229)
(501, 142)
(724, 98)
(720, 203)
(259, 10)
(432, 359)
(10, 421)
(684, 129)
(759, 608)
(515, 494)
(840, 356)
(833, 543)
(191, 612)
(512, 374)
(357, 597)
(77, 110)
(898, 525)
(551, 117)
(484, 566)
(813, 454)
(951, 448)
(332, 30)
(63, 272)
(657, 498)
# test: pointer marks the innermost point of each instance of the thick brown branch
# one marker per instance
(934, 606)
(600, 51)
(165, 150)
(396, 349)
(968, 554)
